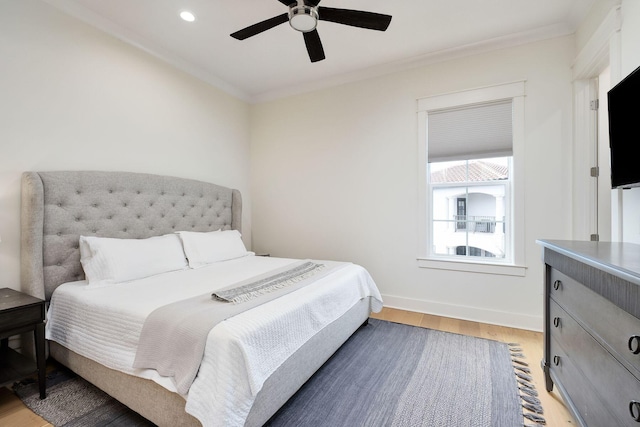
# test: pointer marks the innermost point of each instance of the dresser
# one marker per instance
(592, 329)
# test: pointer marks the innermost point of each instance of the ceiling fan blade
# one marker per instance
(258, 28)
(314, 46)
(313, 3)
(355, 18)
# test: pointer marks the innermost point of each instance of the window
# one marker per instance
(471, 215)
(469, 207)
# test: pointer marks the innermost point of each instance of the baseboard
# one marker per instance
(475, 314)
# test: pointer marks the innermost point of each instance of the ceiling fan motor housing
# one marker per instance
(303, 18)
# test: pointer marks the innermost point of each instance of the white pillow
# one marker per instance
(209, 247)
(107, 260)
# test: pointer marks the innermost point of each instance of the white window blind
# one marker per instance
(471, 132)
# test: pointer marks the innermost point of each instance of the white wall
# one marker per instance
(335, 175)
(74, 98)
(589, 25)
(630, 36)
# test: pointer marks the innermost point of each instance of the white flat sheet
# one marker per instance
(104, 324)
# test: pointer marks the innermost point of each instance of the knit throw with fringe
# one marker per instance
(255, 288)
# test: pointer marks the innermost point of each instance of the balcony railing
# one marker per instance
(476, 224)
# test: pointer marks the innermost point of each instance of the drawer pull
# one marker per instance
(557, 284)
(556, 322)
(556, 360)
(634, 410)
(634, 344)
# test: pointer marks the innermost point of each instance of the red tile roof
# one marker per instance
(478, 171)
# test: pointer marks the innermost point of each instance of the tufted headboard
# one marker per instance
(58, 207)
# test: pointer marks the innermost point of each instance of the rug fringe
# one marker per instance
(532, 406)
(535, 418)
(526, 384)
(524, 376)
(529, 391)
(531, 399)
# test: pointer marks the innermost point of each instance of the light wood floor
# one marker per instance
(13, 413)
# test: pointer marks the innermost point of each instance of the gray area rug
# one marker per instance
(386, 374)
(73, 402)
(389, 374)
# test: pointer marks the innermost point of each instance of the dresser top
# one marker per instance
(617, 258)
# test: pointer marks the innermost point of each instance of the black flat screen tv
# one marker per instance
(624, 131)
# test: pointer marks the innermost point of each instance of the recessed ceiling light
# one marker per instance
(187, 16)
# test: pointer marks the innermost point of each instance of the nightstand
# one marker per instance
(20, 313)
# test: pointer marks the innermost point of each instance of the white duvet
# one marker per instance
(104, 324)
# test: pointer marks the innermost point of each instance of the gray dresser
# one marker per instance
(592, 330)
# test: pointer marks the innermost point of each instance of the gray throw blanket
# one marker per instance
(275, 280)
(173, 337)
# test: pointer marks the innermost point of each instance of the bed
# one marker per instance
(59, 207)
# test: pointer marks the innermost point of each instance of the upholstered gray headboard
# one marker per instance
(59, 207)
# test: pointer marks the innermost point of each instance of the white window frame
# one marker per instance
(514, 91)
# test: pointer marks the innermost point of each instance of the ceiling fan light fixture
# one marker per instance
(303, 18)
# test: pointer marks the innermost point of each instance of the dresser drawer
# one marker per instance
(574, 384)
(618, 330)
(614, 384)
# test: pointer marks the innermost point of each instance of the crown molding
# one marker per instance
(470, 49)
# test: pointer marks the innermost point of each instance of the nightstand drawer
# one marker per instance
(23, 316)
(615, 385)
(618, 330)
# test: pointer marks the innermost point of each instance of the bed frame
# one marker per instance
(58, 207)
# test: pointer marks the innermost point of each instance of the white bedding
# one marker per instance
(104, 324)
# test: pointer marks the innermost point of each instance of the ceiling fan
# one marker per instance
(303, 16)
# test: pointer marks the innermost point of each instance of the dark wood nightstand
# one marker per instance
(20, 313)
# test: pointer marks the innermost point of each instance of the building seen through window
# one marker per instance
(470, 203)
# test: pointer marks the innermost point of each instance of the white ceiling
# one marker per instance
(275, 63)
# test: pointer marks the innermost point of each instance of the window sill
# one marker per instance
(473, 267)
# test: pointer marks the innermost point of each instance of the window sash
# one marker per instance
(506, 222)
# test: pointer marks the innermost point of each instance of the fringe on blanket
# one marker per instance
(531, 405)
(310, 270)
